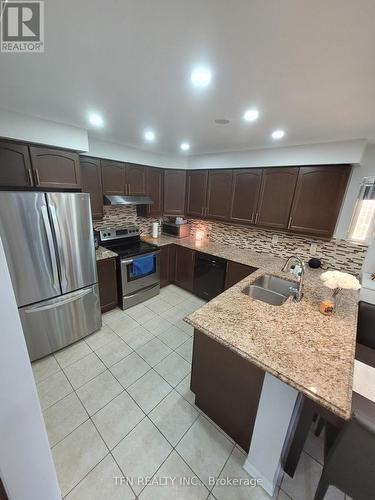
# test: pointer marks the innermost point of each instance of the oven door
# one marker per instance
(132, 277)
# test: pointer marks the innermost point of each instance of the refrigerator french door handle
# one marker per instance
(58, 302)
(51, 247)
(64, 281)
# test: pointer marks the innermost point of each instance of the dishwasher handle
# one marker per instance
(213, 261)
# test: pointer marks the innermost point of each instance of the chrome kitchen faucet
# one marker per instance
(298, 293)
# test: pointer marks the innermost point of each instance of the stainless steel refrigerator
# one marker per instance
(49, 246)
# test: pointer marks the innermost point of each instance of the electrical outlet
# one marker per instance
(313, 249)
(275, 239)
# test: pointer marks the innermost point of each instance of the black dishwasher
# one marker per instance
(209, 275)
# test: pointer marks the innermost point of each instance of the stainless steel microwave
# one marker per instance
(177, 230)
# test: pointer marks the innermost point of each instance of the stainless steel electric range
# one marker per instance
(138, 268)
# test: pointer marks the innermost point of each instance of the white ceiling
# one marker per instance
(307, 65)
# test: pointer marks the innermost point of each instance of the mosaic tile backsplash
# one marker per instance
(338, 254)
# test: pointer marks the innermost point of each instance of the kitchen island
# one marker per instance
(294, 342)
(280, 353)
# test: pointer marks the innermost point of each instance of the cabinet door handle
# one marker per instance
(256, 218)
(30, 176)
(252, 218)
(290, 222)
(37, 177)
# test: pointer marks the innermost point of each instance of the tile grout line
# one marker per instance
(125, 390)
(174, 447)
(173, 388)
(89, 380)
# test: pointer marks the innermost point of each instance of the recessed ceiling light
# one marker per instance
(201, 76)
(221, 121)
(96, 120)
(251, 115)
(149, 135)
(185, 146)
(278, 134)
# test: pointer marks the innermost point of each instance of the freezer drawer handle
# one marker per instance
(51, 248)
(56, 227)
(59, 302)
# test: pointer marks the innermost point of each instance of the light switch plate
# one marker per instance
(275, 239)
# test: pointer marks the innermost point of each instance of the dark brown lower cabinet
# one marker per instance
(107, 277)
(227, 387)
(167, 264)
(236, 272)
(184, 268)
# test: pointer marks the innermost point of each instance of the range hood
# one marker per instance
(119, 199)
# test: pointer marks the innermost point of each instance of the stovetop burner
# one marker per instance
(125, 241)
(133, 248)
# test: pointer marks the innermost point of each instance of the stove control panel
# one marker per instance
(110, 234)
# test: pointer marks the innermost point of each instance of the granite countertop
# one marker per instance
(309, 351)
(103, 253)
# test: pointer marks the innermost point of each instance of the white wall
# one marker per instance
(309, 154)
(21, 127)
(31, 129)
(26, 465)
(120, 152)
(365, 169)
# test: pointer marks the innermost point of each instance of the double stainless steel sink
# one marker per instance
(271, 289)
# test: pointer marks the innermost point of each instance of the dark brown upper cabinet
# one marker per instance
(15, 165)
(154, 189)
(154, 183)
(276, 197)
(317, 200)
(113, 177)
(245, 194)
(121, 178)
(219, 194)
(135, 180)
(196, 192)
(55, 168)
(91, 178)
(174, 191)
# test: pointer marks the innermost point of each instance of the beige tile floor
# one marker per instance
(118, 404)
